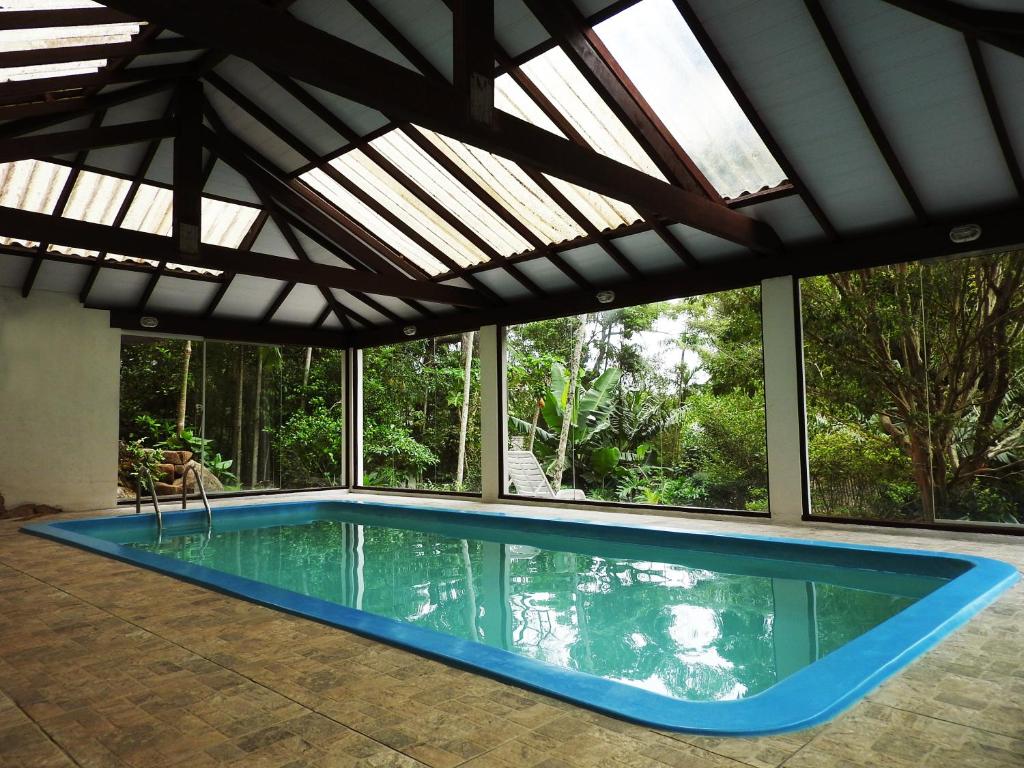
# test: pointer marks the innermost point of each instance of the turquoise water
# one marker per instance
(659, 618)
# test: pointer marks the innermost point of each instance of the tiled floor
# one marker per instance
(105, 664)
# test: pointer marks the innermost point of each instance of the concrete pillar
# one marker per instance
(784, 399)
(59, 387)
(492, 409)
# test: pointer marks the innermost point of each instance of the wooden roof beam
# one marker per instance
(291, 47)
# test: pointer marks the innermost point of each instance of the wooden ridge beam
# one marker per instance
(473, 56)
(27, 225)
(282, 43)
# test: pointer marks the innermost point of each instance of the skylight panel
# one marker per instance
(95, 198)
(509, 184)
(372, 179)
(366, 216)
(656, 49)
(603, 212)
(47, 38)
(31, 185)
(566, 87)
(400, 150)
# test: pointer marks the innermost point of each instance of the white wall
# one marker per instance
(59, 378)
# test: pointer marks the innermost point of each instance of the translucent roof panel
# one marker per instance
(373, 222)
(510, 185)
(95, 198)
(656, 49)
(424, 171)
(42, 38)
(568, 90)
(372, 179)
(31, 185)
(603, 212)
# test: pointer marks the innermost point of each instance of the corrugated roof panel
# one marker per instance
(31, 185)
(658, 52)
(95, 198)
(509, 184)
(351, 205)
(566, 87)
(398, 148)
(41, 38)
(372, 179)
(603, 212)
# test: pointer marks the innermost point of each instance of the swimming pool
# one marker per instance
(698, 632)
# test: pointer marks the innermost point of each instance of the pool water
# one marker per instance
(683, 623)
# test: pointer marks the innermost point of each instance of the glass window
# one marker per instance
(254, 417)
(421, 414)
(660, 404)
(656, 49)
(915, 391)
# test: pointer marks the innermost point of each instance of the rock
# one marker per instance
(165, 472)
(177, 457)
(210, 481)
(166, 489)
(28, 510)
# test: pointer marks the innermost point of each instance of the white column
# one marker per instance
(492, 410)
(783, 389)
(352, 376)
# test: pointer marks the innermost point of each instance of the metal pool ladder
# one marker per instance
(194, 469)
(152, 495)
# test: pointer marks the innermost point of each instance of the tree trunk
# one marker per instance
(533, 428)
(305, 377)
(254, 476)
(467, 371)
(569, 412)
(179, 421)
(238, 413)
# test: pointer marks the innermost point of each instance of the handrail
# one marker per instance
(152, 493)
(194, 469)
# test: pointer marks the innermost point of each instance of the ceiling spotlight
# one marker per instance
(409, 330)
(148, 321)
(605, 297)
(966, 233)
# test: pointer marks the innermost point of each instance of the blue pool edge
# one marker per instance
(811, 696)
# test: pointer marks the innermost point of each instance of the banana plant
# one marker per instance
(593, 407)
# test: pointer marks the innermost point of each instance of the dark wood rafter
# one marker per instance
(380, 208)
(93, 137)
(62, 17)
(63, 55)
(228, 277)
(161, 268)
(540, 248)
(279, 299)
(279, 42)
(27, 225)
(1003, 29)
(585, 49)
(569, 130)
(117, 266)
(1000, 230)
(389, 32)
(320, 239)
(867, 113)
(29, 118)
(473, 57)
(754, 118)
(58, 209)
(137, 180)
(20, 89)
(340, 311)
(995, 114)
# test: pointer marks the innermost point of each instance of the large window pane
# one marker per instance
(421, 414)
(660, 404)
(255, 417)
(915, 391)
